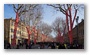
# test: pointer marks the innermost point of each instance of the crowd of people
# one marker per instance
(44, 45)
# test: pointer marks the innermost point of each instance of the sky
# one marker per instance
(8, 11)
(49, 14)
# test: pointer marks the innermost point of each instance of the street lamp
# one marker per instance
(77, 19)
(77, 27)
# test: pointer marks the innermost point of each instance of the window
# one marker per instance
(18, 32)
(19, 26)
(12, 23)
(12, 36)
(12, 30)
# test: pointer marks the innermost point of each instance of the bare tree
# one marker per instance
(33, 16)
(45, 28)
(67, 9)
(59, 26)
(20, 10)
(58, 23)
(37, 15)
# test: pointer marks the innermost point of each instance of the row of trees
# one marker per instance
(31, 14)
(26, 13)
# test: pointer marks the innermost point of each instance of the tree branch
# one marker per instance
(15, 9)
(74, 17)
(19, 7)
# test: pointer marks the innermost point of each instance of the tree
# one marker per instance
(59, 26)
(33, 18)
(44, 28)
(20, 10)
(58, 23)
(67, 9)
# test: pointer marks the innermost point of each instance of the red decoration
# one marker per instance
(15, 29)
(59, 37)
(69, 31)
(71, 23)
(28, 31)
(34, 40)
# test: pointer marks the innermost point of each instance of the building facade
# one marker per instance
(22, 34)
(9, 31)
(78, 34)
